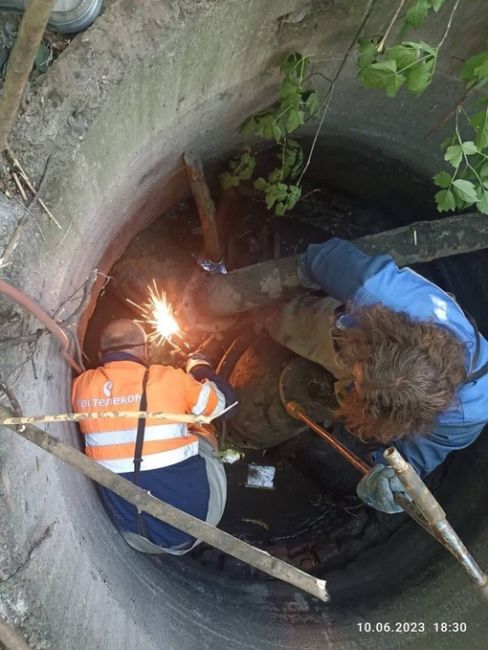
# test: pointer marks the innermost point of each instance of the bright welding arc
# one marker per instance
(158, 314)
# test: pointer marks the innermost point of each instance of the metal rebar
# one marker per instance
(436, 518)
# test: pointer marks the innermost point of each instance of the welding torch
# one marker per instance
(423, 506)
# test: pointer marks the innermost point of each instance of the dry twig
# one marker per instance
(29, 184)
(19, 186)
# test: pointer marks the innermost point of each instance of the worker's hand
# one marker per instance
(377, 489)
(197, 359)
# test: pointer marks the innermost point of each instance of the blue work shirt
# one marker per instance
(183, 485)
(349, 275)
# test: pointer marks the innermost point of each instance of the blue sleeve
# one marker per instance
(425, 453)
(205, 372)
(339, 268)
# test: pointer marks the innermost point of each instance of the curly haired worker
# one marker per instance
(413, 363)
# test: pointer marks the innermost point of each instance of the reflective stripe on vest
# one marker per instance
(151, 460)
(111, 442)
(115, 449)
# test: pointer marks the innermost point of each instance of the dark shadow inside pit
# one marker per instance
(311, 517)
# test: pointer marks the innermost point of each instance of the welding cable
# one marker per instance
(36, 310)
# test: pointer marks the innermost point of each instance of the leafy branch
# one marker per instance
(410, 64)
(297, 103)
(468, 183)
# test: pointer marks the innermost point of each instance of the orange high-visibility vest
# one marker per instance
(118, 385)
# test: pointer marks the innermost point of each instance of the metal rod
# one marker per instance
(164, 512)
(205, 206)
(100, 415)
(436, 517)
(297, 411)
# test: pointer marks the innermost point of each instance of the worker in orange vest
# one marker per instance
(167, 459)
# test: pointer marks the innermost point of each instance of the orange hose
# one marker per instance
(36, 310)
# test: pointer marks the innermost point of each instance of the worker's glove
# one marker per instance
(197, 359)
(377, 489)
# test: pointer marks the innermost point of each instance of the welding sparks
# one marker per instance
(158, 313)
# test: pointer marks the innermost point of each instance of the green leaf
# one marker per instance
(312, 103)
(442, 179)
(241, 168)
(288, 87)
(271, 130)
(294, 193)
(465, 190)
(436, 4)
(291, 159)
(482, 204)
(393, 84)
(228, 180)
(469, 148)
(264, 125)
(367, 51)
(479, 121)
(267, 127)
(475, 69)
(248, 127)
(275, 192)
(483, 172)
(423, 47)
(416, 14)
(261, 184)
(378, 75)
(289, 62)
(419, 77)
(404, 55)
(295, 66)
(293, 100)
(43, 58)
(445, 201)
(275, 176)
(454, 155)
(294, 120)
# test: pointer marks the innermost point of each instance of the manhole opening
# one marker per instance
(308, 512)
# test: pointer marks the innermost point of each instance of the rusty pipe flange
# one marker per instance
(193, 312)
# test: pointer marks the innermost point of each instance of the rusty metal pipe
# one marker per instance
(36, 310)
(436, 518)
(255, 286)
(297, 411)
(205, 207)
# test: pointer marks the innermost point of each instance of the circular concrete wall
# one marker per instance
(115, 113)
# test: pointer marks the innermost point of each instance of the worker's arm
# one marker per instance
(425, 453)
(214, 390)
(339, 268)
